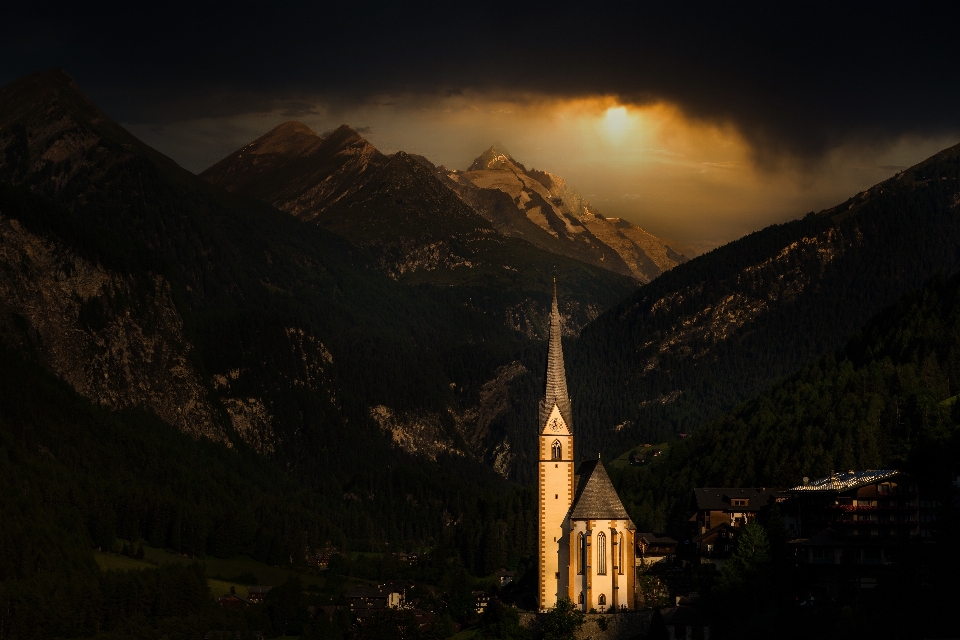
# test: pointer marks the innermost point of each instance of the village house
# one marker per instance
(234, 601)
(482, 601)
(852, 525)
(505, 577)
(257, 593)
(367, 601)
(720, 511)
(653, 548)
(880, 504)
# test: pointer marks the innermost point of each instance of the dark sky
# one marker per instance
(795, 80)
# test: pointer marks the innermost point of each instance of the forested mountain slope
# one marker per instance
(886, 400)
(716, 330)
(76, 476)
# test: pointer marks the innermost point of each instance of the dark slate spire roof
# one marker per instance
(596, 498)
(556, 391)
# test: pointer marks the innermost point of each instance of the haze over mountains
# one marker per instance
(316, 178)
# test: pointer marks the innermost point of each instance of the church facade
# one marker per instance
(586, 544)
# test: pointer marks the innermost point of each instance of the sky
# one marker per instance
(700, 121)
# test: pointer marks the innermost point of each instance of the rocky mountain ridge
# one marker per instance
(573, 226)
(720, 328)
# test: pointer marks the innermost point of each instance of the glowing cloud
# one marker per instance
(616, 122)
(700, 181)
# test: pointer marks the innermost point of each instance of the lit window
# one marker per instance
(601, 554)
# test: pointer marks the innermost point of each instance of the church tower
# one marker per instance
(556, 473)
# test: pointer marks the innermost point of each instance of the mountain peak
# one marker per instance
(290, 138)
(20, 98)
(496, 157)
(346, 134)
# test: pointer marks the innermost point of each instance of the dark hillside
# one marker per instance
(76, 476)
(718, 329)
(285, 334)
(887, 399)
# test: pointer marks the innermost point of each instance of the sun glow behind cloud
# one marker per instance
(617, 122)
(697, 182)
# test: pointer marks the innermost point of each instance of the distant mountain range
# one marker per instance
(543, 209)
(340, 181)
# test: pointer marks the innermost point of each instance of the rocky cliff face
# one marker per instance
(116, 341)
(543, 209)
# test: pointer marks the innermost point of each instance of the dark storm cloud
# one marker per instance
(796, 78)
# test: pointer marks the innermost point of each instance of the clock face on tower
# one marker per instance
(555, 425)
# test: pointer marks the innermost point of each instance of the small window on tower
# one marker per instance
(557, 450)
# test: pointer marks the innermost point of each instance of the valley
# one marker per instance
(313, 348)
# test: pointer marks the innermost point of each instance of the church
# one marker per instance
(586, 542)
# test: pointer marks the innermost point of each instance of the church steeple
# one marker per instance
(556, 387)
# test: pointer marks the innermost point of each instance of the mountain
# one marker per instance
(887, 399)
(147, 289)
(418, 231)
(717, 330)
(543, 209)
(296, 170)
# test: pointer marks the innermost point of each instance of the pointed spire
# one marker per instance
(556, 387)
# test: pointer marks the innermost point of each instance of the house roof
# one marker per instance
(848, 480)
(652, 538)
(718, 498)
(556, 387)
(711, 531)
(596, 499)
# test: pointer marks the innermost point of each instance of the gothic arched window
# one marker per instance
(602, 600)
(601, 554)
(557, 450)
(581, 550)
(620, 553)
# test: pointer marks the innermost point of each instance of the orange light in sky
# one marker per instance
(617, 122)
(680, 177)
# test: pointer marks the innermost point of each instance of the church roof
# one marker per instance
(596, 499)
(556, 387)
